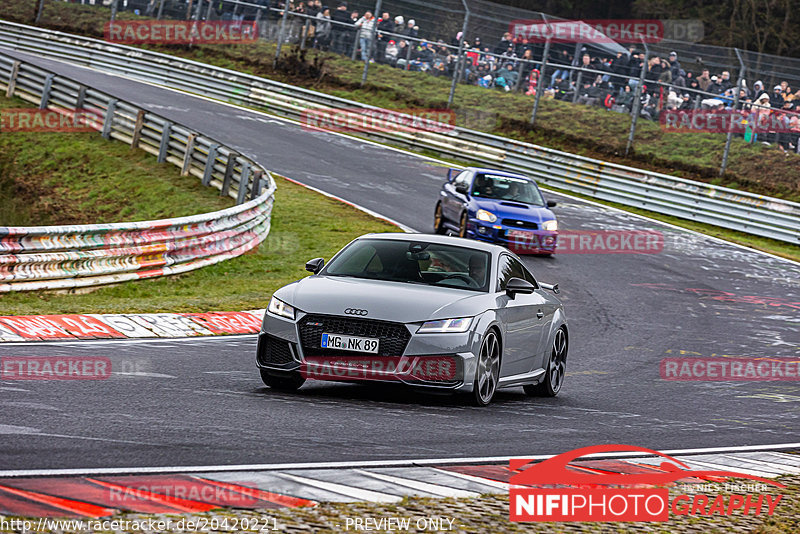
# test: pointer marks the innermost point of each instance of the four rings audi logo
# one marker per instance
(356, 311)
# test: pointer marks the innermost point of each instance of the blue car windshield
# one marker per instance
(499, 187)
(414, 262)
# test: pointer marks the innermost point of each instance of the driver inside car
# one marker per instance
(477, 270)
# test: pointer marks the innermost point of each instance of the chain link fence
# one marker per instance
(638, 79)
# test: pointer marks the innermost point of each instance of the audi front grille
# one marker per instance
(393, 337)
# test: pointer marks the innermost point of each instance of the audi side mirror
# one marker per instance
(518, 286)
(315, 265)
(551, 203)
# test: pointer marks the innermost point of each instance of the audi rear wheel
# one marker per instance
(555, 371)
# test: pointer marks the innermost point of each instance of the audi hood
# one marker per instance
(383, 300)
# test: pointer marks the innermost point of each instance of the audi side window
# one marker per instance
(529, 277)
(503, 272)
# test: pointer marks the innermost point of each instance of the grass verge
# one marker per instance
(579, 129)
(305, 225)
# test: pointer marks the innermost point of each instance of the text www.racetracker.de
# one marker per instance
(201, 524)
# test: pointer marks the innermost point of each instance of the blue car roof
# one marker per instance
(484, 170)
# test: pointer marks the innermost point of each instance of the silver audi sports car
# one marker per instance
(430, 311)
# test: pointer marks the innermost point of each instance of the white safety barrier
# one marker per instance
(65, 257)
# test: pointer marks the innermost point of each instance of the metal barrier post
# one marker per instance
(109, 118)
(371, 44)
(137, 129)
(244, 178)
(280, 34)
(160, 9)
(12, 80)
(226, 181)
(187, 156)
(114, 7)
(48, 85)
(81, 97)
(461, 57)
(735, 109)
(211, 159)
(256, 184)
(408, 55)
(163, 147)
(304, 35)
(39, 9)
(540, 85)
(637, 99)
(198, 12)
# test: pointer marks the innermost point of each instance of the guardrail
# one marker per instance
(729, 208)
(65, 257)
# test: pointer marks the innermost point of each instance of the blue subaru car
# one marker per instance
(498, 207)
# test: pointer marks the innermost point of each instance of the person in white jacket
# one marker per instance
(366, 25)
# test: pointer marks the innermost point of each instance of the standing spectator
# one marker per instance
(758, 89)
(504, 43)
(322, 38)
(385, 25)
(704, 80)
(776, 98)
(714, 87)
(339, 31)
(674, 65)
(399, 24)
(366, 25)
(725, 82)
(411, 30)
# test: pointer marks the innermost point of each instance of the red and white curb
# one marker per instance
(104, 492)
(20, 328)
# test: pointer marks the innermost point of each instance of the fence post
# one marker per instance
(81, 97)
(160, 9)
(187, 156)
(208, 11)
(198, 13)
(163, 147)
(114, 7)
(137, 129)
(189, 9)
(281, 34)
(48, 85)
(211, 159)
(461, 56)
(577, 85)
(39, 9)
(637, 99)
(12, 80)
(304, 35)
(727, 150)
(371, 41)
(540, 84)
(109, 118)
(226, 181)
(244, 178)
(254, 191)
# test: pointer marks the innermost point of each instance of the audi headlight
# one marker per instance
(448, 326)
(487, 216)
(280, 308)
(551, 225)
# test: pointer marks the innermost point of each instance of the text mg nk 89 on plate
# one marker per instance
(357, 344)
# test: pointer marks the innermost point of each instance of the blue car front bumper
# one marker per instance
(519, 240)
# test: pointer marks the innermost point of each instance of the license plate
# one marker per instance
(521, 234)
(352, 343)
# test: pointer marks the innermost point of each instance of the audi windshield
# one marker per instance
(413, 262)
(499, 187)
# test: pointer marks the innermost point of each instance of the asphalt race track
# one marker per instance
(201, 401)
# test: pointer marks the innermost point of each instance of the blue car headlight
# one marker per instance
(487, 216)
(551, 225)
(446, 326)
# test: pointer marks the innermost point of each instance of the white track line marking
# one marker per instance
(374, 463)
(772, 466)
(348, 491)
(479, 480)
(427, 487)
